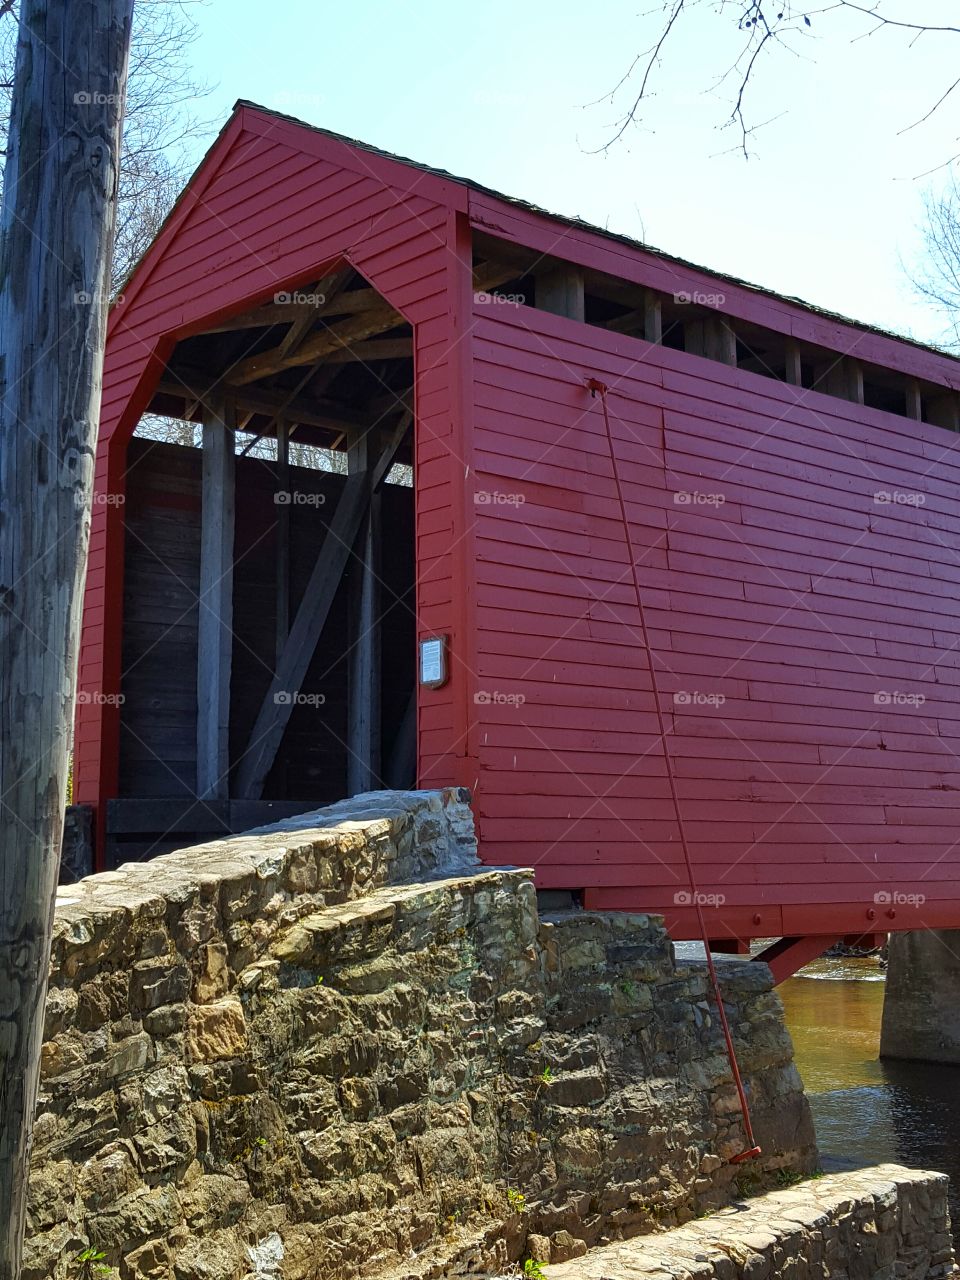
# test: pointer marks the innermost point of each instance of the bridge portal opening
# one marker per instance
(269, 642)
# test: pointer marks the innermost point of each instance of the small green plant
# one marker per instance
(749, 1184)
(533, 1270)
(628, 988)
(261, 1142)
(318, 981)
(516, 1200)
(91, 1262)
(546, 1076)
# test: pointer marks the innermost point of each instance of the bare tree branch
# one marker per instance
(764, 26)
(160, 119)
(652, 58)
(938, 279)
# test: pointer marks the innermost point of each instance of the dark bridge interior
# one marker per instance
(269, 636)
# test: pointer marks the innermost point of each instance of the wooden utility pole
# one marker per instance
(56, 234)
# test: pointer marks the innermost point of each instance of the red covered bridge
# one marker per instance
(781, 495)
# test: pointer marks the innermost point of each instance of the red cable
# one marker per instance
(595, 386)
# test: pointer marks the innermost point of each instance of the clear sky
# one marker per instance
(828, 208)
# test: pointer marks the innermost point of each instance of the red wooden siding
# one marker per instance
(587, 247)
(271, 206)
(806, 633)
(800, 600)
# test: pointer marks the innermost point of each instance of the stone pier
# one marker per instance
(921, 1005)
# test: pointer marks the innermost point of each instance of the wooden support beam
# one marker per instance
(712, 337)
(311, 616)
(652, 317)
(560, 290)
(282, 586)
(332, 338)
(913, 402)
(327, 288)
(841, 377)
(215, 624)
(694, 338)
(194, 385)
(854, 372)
(355, 302)
(363, 686)
(297, 331)
(283, 538)
(488, 275)
(792, 372)
(375, 349)
(321, 374)
(787, 955)
(726, 339)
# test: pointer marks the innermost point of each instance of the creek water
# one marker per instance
(866, 1110)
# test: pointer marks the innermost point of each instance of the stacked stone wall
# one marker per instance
(339, 1047)
(870, 1224)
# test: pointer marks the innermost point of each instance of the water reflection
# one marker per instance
(867, 1111)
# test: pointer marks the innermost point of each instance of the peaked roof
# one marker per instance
(212, 157)
(568, 220)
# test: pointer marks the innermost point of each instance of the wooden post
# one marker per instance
(363, 693)
(311, 615)
(792, 372)
(854, 380)
(712, 337)
(560, 289)
(695, 338)
(841, 377)
(56, 234)
(215, 626)
(652, 317)
(283, 496)
(914, 405)
(726, 341)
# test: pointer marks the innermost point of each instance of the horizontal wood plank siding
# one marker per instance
(802, 628)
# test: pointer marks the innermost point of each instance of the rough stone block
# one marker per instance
(214, 978)
(156, 982)
(217, 1030)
